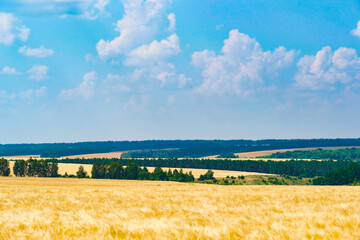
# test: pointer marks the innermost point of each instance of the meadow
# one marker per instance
(58, 208)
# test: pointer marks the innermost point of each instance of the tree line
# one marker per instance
(291, 167)
(31, 168)
(339, 154)
(100, 170)
(115, 170)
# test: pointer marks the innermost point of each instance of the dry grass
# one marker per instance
(40, 208)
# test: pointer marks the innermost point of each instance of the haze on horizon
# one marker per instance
(94, 70)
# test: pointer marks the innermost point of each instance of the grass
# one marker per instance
(43, 208)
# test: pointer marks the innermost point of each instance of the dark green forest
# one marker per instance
(341, 176)
(168, 148)
(340, 154)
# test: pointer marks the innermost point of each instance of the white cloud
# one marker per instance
(154, 52)
(30, 93)
(172, 20)
(88, 9)
(328, 68)
(137, 27)
(11, 29)
(40, 92)
(40, 52)
(38, 72)
(242, 67)
(9, 71)
(115, 83)
(137, 103)
(85, 90)
(356, 31)
(183, 81)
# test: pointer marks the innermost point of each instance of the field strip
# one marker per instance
(96, 155)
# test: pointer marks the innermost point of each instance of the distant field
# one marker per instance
(96, 155)
(23, 157)
(43, 208)
(269, 152)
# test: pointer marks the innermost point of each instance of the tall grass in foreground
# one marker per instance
(57, 208)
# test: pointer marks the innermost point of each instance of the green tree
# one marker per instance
(132, 171)
(20, 168)
(116, 170)
(144, 174)
(32, 167)
(99, 170)
(158, 174)
(4, 167)
(53, 169)
(81, 173)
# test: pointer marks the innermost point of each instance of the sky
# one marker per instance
(98, 70)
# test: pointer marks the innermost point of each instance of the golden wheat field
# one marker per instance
(42, 208)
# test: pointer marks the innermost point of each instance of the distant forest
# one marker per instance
(340, 154)
(168, 148)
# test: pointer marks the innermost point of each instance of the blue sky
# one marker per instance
(91, 70)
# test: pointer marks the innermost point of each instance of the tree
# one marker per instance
(98, 170)
(53, 169)
(32, 167)
(158, 174)
(144, 174)
(20, 168)
(81, 173)
(132, 171)
(116, 170)
(4, 167)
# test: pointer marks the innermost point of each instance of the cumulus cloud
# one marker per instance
(241, 67)
(356, 31)
(115, 83)
(9, 71)
(137, 27)
(155, 51)
(183, 81)
(85, 90)
(40, 92)
(88, 9)
(328, 68)
(138, 103)
(40, 52)
(11, 29)
(38, 72)
(172, 20)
